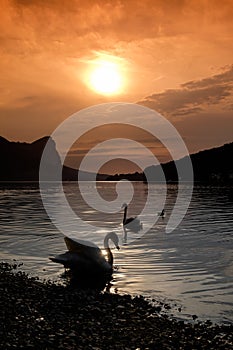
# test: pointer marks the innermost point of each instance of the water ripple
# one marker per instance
(192, 266)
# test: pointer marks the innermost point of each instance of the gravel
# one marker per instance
(36, 315)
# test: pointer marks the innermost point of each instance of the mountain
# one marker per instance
(20, 161)
(213, 166)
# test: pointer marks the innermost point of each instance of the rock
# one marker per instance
(48, 316)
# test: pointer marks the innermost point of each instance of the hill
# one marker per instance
(212, 166)
(20, 161)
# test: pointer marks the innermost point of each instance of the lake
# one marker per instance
(190, 267)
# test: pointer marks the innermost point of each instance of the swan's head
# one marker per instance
(124, 205)
(114, 238)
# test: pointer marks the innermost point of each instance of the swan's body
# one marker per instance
(86, 259)
(132, 222)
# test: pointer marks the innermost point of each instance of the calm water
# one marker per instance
(191, 267)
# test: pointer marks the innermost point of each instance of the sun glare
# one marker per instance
(106, 78)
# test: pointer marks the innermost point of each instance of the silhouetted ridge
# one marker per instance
(20, 161)
(3, 140)
(42, 140)
(131, 177)
(212, 166)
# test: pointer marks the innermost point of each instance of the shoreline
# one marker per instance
(38, 315)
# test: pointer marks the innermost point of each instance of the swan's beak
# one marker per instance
(117, 247)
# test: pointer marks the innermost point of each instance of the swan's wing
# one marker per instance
(74, 262)
(136, 221)
(81, 264)
(68, 259)
(81, 246)
(133, 224)
(127, 221)
(85, 249)
(132, 221)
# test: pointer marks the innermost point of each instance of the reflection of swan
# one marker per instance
(132, 223)
(125, 236)
(85, 259)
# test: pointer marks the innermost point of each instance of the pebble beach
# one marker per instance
(46, 315)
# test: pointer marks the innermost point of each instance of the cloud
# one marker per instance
(44, 44)
(194, 96)
(200, 110)
(222, 78)
(90, 23)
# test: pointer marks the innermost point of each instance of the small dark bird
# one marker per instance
(162, 214)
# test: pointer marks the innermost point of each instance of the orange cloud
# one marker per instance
(194, 96)
(169, 47)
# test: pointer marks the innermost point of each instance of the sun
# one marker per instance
(105, 78)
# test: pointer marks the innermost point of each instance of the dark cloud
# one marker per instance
(194, 96)
(222, 78)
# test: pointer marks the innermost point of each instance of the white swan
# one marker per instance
(132, 222)
(86, 259)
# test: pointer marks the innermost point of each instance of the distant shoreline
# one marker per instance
(196, 183)
(21, 162)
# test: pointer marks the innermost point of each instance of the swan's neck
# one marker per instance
(108, 250)
(109, 256)
(125, 215)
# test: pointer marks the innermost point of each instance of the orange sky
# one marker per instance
(175, 56)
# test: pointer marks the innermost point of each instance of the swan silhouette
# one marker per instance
(85, 259)
(133, 223)
(162, 214)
